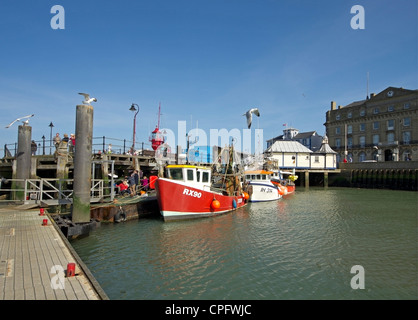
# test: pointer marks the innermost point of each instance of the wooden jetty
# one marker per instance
(35, 260)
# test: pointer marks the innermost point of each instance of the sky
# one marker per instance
(206, 61)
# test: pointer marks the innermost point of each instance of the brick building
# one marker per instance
(383, 127)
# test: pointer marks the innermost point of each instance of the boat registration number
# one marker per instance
(192, 193)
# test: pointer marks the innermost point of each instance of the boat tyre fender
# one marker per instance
(120, 216)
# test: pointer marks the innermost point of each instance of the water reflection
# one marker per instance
(302, 247)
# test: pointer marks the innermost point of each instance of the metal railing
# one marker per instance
(51, 191)
(99, 144)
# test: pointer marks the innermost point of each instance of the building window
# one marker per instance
(391, 124)
(406, 122)
(406, 137)
(362, 113)
(349, 115)
(391, 108)
(375, 110)
(338, 142)
(316, 159)
(362, 141)
(406, 156)
(349, 129)
(350, 142)
(391, 137)
(338, 117)
(406, 105)
(376, 125)
(337, 130)
(376, 139)
(362, 126)
(361, 156)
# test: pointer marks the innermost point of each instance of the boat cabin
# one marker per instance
(194, 176)
(258, 175)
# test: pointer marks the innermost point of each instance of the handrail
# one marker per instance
(52, 190)
(46, 146)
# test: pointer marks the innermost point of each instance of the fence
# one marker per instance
(99, 144)
(50, 191)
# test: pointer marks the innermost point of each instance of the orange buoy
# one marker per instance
(215, 204)
(246, 195)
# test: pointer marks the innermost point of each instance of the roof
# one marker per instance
(288, 146)
(325, 148)
(186, 166)
(304, 135)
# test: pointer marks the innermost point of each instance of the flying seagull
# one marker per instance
(249, 115)
(24, 122)
(87, 99)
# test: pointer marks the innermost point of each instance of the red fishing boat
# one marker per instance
(190, 191)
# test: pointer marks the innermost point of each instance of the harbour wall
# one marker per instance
(402, 175)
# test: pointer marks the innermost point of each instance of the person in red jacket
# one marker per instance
(123, 187)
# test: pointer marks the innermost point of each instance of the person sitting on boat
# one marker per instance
(123, 187)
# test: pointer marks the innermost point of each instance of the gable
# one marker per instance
(392, 92)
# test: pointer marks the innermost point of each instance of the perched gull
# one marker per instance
(24, 122)
(249, 115)
(87, 99)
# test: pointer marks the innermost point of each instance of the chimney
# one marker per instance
(333, 105)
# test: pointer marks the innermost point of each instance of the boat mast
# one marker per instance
(159, 113)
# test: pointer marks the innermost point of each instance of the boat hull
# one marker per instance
(178, 201)
(263, 192)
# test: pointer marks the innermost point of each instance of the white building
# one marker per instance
(292, 154)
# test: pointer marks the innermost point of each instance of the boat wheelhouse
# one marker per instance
(260, 186)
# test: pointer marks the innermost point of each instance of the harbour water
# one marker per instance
(302, 247)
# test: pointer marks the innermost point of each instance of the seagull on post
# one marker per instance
(87, 99)
(18, 119)
(249, 115)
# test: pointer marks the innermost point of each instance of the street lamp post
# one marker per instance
(133, 109)
(51, 125)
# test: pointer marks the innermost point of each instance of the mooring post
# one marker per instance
(23, 158)
(82, 164)
(306, 179)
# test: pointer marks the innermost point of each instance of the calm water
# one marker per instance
(302, 247)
